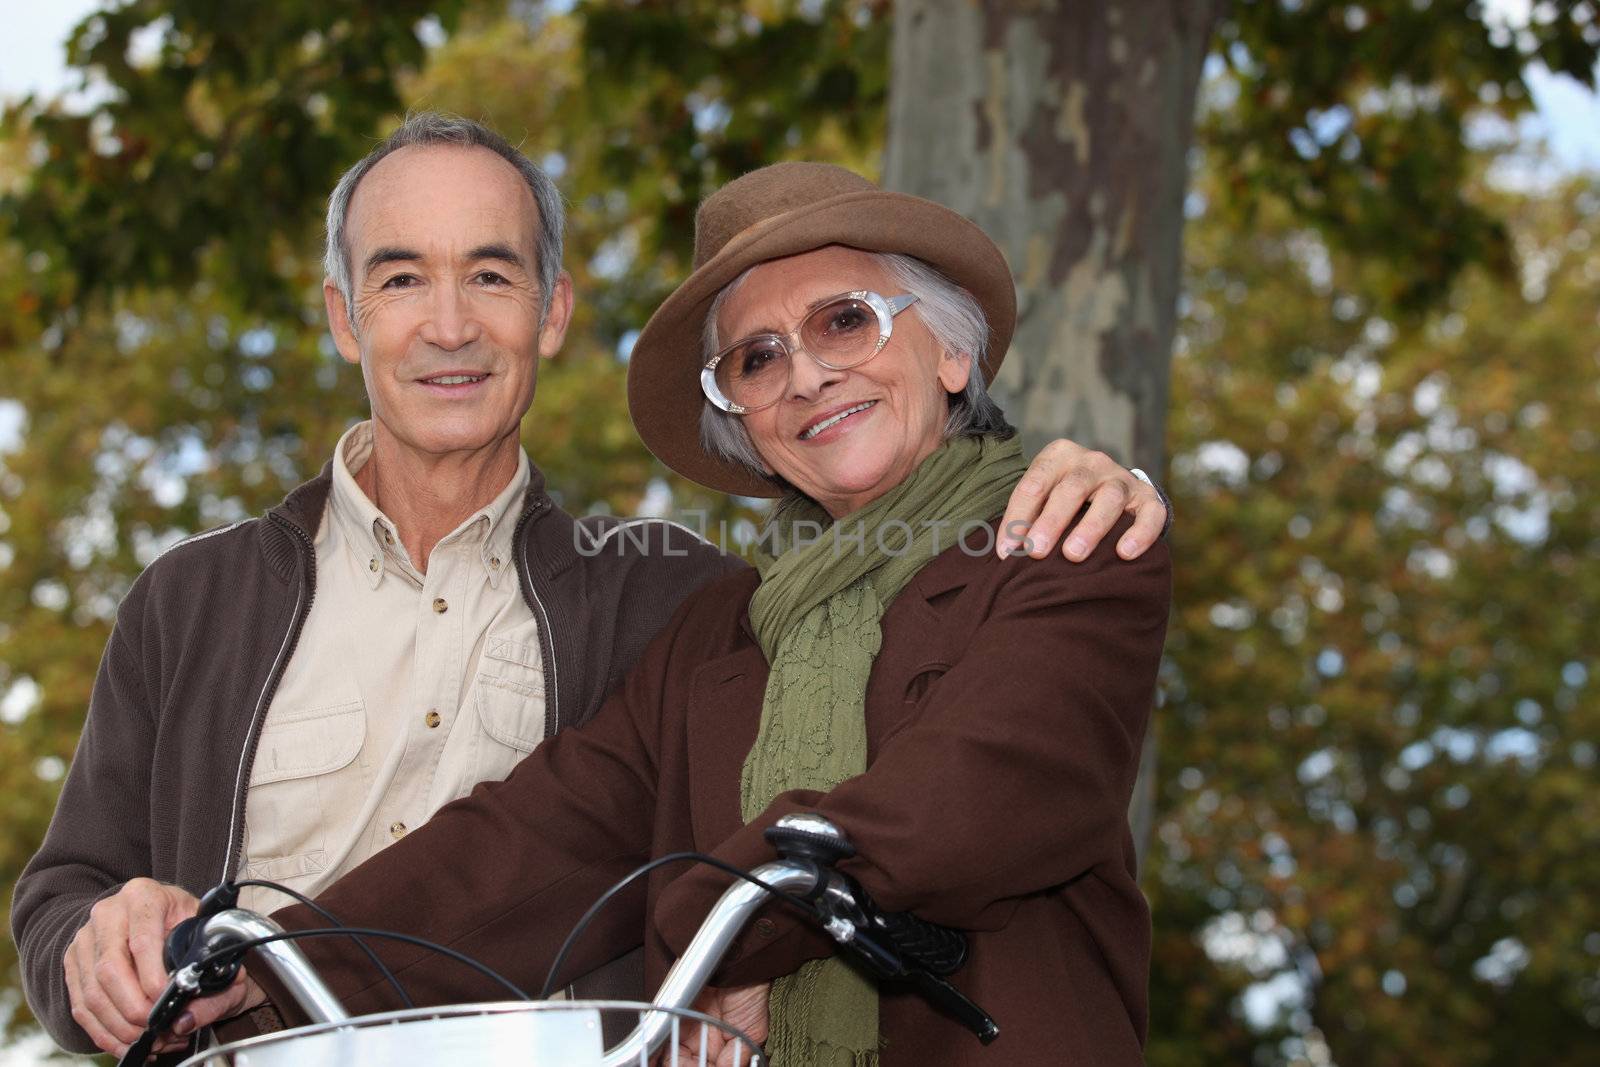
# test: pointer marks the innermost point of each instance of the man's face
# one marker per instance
(446, 301)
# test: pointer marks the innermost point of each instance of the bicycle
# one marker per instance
(205, 953)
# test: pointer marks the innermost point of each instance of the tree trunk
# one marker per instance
(1063, 129)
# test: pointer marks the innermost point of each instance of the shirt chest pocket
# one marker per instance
(509, 697)
(300, 782)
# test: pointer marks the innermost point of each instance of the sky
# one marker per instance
(33, 58)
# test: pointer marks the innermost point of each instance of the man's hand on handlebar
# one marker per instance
(115, 972)
(744, 1008)
(113, 966)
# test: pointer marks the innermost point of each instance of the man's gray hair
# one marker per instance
(951, 314)
(423, 128)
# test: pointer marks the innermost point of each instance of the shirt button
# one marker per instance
(397, 830)
(388, 538)
(432, 719)
(372, 564)
(494, 561)
(439, 605)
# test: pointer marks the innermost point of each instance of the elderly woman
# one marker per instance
(972, 723)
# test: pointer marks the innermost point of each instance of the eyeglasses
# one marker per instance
(840, 333)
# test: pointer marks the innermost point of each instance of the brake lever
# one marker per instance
(942, 994)
(898, 947)
(860, 929)
(181, 988)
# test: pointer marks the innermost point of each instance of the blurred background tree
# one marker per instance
(1375, 810)
(1377, 839)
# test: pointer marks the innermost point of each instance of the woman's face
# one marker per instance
(900, 392)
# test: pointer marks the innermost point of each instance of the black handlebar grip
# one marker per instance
(937, 949)
(186, 945)
(180, 944)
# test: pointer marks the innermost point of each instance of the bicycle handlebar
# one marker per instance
(699, 961)
(897, 946)
(190, 943)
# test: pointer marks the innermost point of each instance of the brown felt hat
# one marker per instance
(777, 211)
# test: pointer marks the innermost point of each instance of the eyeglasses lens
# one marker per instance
(840, 334)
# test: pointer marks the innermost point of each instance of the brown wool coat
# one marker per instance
(1005, 714)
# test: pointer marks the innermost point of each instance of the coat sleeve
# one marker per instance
(99, 835)
(1014, 777)
(504, 873)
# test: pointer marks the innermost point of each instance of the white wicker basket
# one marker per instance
(538, 1034)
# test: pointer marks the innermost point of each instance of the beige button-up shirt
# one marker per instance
(405, 690)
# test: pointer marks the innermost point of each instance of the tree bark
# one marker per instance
(1063, 128)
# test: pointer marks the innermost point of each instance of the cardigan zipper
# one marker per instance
(547, 645)
(552, 719)
(302, 607)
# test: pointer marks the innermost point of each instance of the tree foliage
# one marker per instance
(206, 108)
(1359, 115)
(1378, 805)
(1380, 801)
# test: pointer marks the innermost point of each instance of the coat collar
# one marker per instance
(302, 509)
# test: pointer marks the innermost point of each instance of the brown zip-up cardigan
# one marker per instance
(157, 786)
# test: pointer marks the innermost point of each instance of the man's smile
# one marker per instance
(454, 382)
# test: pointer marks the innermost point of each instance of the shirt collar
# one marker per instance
(373, 536)
(501, 514)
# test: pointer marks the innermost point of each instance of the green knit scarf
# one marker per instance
(817, 616)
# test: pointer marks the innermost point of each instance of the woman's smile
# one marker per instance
(830, 424)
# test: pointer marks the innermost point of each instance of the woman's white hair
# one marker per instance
(951, 315)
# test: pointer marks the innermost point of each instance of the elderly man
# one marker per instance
(282, 698)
